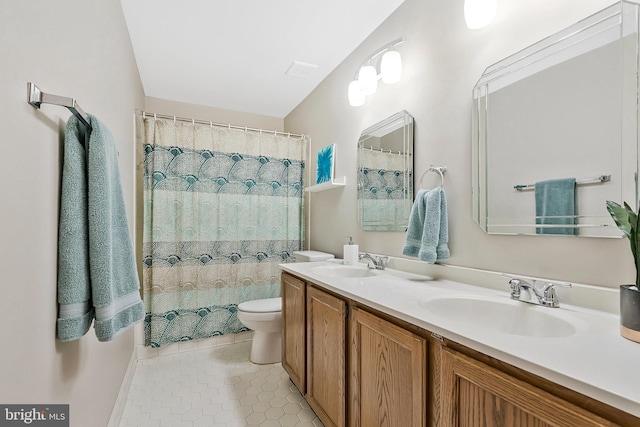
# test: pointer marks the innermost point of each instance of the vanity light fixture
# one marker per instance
(368, 78)
(391, 67)
(479, 13)
(365, 82)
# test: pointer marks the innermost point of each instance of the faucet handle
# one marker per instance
(549, 296)
(515, 288)
(517, 284)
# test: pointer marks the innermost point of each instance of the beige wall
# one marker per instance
(442, 62)
(81, 49)
(216, 115)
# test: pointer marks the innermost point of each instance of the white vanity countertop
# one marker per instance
(595, 361)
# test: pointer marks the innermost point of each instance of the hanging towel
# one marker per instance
(442, 250)
(75, 312)
(97, 274)
(556, 205)
(427, 234)
(413, 239)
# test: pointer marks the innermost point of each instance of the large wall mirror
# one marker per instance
(385, 174)
(555, 130)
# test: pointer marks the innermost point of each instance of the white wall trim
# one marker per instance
(118, 407)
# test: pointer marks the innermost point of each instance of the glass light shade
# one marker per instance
(368, 78)
(479, 13)
(356, 97)
(391, 67)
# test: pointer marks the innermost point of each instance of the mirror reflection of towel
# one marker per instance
(556, 205)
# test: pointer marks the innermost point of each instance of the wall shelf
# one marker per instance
(334, 183)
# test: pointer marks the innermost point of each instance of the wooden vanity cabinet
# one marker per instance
(387, 373)
(294, 315)
(475, 394)
(401, 375)
(326, 355)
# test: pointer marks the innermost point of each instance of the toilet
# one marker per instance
(264, 316)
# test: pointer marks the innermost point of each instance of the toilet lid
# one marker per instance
(268, 305)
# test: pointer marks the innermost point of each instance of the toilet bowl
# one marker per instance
(264, 316)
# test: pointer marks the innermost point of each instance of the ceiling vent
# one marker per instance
(300, 69)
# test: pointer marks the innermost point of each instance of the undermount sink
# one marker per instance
(343, 271)
(503, 316)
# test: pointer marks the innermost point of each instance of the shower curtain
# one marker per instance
(222, 208)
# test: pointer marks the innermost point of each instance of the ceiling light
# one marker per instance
(366, 80)
(479, 13)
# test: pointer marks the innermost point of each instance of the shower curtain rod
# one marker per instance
(36, 97)
(210, 123)
(382, 150)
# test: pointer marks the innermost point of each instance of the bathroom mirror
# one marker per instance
(385, 174)
(562, 109)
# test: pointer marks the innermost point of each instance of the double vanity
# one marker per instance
(369, 347)
(386, 347)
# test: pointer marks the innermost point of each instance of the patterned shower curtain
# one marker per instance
(222, 208)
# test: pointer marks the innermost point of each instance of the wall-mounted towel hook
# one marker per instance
(438, 169)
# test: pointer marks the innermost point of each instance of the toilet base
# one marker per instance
(266, 348)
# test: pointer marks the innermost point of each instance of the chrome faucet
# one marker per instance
(545, 296)
(379, 263)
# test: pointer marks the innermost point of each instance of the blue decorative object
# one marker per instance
(324, 171)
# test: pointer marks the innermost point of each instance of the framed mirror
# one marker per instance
(555, 130)
(385, 174)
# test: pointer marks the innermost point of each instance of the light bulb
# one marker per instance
(368, 78)
(479, 13)
(356, 97)
(391, 66)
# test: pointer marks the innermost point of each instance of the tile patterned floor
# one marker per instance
(213, 387)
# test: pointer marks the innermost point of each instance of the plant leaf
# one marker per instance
(629, 222)
(622, 218)
(636, 255)
(633, 238)
(632, 214)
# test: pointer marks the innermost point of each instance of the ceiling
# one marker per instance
(234, 54)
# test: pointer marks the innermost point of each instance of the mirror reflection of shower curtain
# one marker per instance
(222, 208)
(382, 190)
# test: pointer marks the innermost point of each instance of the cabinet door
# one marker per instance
(477, 395)
(388, 373)
(293, 329)
(326, 341)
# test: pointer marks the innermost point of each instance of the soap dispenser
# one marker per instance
(350, 253)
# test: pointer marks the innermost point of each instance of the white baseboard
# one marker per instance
(118, 407)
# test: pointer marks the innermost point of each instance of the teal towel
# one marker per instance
(97, 274)
(556, 205)
(427, 234)
(413, 239)
(74, 286)
(442, 249)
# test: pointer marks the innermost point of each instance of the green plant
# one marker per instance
(627, 220)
